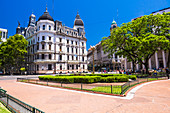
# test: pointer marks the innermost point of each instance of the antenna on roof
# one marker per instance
(53, 7)
(117, 16)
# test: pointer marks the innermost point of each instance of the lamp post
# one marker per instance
(93, 49)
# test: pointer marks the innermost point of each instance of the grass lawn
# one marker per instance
(3, 109)
(107, 89)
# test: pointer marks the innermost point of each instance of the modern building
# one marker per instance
(3, 34)
(54, 47)
(101, 60)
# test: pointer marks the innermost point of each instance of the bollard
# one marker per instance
(61, 84)
(111, 89)
(47, 82)
(81, 86)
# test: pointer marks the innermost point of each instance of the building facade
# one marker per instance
(3, 34)
(54, 47)
(101, 60)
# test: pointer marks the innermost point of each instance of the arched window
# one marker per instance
(43, 27)
(49, 27)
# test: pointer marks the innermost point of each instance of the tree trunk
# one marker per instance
(168, 63)
(133, 64)
(146, 66)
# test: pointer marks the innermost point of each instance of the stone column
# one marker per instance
(156, 60)
(164, 60)
(125, 63)
(131, 65)
(150, 66)
(137, 66)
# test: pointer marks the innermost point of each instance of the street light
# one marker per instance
(93, 49)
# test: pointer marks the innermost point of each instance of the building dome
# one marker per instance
(78, 21)
(46, 16)
(113, 22)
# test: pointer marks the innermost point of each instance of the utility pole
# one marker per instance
(93, 49)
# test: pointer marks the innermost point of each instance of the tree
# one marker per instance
(12, 53)
(138, 40)
(0, 37)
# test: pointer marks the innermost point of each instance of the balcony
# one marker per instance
(44, 61)
(44, 51)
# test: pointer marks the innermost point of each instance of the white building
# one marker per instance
(54, 47)
(3, 34)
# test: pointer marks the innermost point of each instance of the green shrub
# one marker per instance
(133, 77)
(84, 79)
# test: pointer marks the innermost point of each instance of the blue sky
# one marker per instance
(96, 14)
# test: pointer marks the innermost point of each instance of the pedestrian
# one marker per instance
(167, 72)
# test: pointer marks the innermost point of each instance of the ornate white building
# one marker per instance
(54, 47)
(3, 34)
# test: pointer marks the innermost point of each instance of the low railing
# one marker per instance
(108, 88)
(15, 105)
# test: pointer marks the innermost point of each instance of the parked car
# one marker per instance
(1, 73)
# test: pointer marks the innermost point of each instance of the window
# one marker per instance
(76, 66)
(42, 56)
(72, 50)
(60, 57)
(72, 66)
(43, 46)
(76, 50)
(43, 37)
(60, 48)
(49, 38)
(38, 38)
(60, 67)
(37, 67)
(68, 57)
(67, 41)
(43, 27)
(76, 57)
(83, 51)
(60, 39)
(38, 56)
(83, 66)
(49, 27)
(71, 42)
(49, 47)
(39, 27)
(49, 67)
(49, 56)
(67, 49)
(3, 34)
(82, 43)
(67, 32)
(82, 58)
(76, 42)
(67, 67)
(37, 46)
(72, 57)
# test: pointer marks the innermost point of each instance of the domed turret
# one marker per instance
(46, 16)
(78, 22)
(32, 20)
(113, 25)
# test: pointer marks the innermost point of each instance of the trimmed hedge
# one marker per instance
(86, 79)
(133, 77)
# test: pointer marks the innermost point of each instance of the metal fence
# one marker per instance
(109, 88)
(15, 105)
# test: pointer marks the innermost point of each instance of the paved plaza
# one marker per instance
(151, 98)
